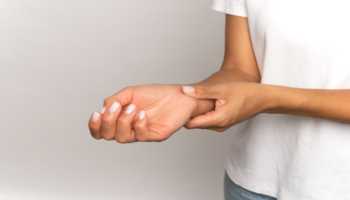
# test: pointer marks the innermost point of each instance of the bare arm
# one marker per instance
(240, 59)
(239, 63)
(237, 83)
(322, 103)
(239, 55)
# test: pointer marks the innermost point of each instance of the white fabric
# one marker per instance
(305, 44)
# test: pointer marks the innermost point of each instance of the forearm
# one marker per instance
(322, 103)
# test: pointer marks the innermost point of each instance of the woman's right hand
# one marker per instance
(145, 113)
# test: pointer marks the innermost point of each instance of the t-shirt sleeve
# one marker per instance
(232, 7)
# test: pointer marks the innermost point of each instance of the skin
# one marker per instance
(229, 96)
(166, 110)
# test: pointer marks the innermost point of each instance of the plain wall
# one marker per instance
(60, 58)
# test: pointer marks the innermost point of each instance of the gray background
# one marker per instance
(60, 58)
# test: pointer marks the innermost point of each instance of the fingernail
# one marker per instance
(130, 109)
(95, 116)
(142, 115)
(114, 107)
(103, 110)
(188, 89)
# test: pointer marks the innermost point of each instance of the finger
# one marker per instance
(94, 125)
(143, 133)
(210, 119)
(108, 122)
(124, 97)
(203, 91)
(124, 132)
(140, 126)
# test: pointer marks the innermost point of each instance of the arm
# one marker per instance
(242, 96)
(239, 63)
(239, 58)
(243, 100)
(322, 103)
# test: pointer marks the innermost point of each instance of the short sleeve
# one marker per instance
(232, 7)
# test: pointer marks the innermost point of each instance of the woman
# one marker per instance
(286, 72)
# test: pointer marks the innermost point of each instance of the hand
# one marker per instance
(235, 101)
(145, 113)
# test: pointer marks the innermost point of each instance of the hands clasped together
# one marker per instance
(154, 112)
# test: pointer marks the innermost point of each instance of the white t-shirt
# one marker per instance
(305, 44)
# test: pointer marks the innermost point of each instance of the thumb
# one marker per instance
(201, 91)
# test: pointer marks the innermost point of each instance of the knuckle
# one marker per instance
(107, 101)
(123, 120)
(138, 126)
(105, 131)
(106, 120)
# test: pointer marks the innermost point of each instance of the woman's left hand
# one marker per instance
(235, 102)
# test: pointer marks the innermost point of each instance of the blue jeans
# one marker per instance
(232, 191)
